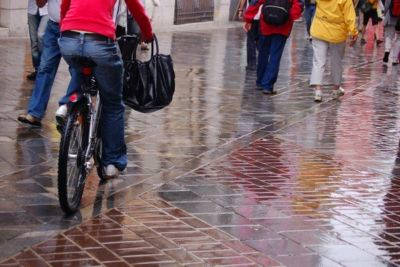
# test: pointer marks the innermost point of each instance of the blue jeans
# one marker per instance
(252, 39)
(47, 70)
(309, 15)
(108, 73)
(37, 25)
(269, 58)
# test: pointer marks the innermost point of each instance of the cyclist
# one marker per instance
(88, 30)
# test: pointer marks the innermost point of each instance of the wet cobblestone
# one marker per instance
(224, 176)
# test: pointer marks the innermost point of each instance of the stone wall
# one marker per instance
(13, 16)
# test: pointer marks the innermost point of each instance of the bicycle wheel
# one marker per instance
(71, 168)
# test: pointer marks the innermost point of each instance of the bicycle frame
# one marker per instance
(90, 98)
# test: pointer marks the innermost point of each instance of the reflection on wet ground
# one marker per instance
(224, 176)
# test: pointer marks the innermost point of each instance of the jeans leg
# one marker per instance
(108, 73)
(74, 85)
(33, 25)
(277, 45)
(263, 57)
(47, 71)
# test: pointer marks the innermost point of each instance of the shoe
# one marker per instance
(268, 92)
(31, 76)
(29, 119)
(395, 63)
(310, 38)
(363, 41)
(386, 58)
(111, 172)
(318, 95)
(379, 41)
(338, 93)
(61, 114)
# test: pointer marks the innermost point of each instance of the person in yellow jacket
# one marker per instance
(372, 14)
(334, 22)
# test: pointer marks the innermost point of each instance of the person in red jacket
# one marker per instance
(88, 30)
(271, 43)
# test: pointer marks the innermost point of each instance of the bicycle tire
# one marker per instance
(70, 206)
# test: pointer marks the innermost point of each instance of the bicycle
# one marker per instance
(80, 145)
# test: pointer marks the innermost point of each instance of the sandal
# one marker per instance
(29, 119)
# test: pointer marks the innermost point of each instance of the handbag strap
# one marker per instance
(155, 41)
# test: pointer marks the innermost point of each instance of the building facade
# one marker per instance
(13, 14)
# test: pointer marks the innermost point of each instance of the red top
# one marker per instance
(267, 29)
(97, 16)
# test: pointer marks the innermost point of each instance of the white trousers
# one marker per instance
(336, 51)
(392, 42)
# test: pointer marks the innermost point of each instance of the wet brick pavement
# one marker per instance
(224, 176)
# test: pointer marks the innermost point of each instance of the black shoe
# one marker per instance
(32, 76)
(386, 57)
(363, 41)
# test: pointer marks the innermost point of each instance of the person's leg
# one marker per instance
(389, 37)
(73, 86)
(33, 25)
(375, 24)
(320, 49)
(366, 17)
(337, 53)
(46, 73)
(108, 73)
(252, 36)
(41, 30)
(263, 51)
(277, 45)
(395, 48)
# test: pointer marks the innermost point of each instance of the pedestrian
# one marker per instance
(275, 28)
(392, 36)
(309, 13)
(47, 70)
(370, 11)
(252, 34)
(334, 21)
(88, 31)
(37, 22)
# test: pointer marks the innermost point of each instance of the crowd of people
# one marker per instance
(68, 28)
(329, 24)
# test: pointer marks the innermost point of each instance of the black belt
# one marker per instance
(88, 36)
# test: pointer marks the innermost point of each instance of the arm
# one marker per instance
(252, 11)
(350, 17)
(295, 11)
(241, 7)
(64, 9)
(41, 3)
(139, 14)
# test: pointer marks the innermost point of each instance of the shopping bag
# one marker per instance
(149, 86)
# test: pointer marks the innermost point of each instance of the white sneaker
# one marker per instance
(318, 95)
(338, 93)
(111, 172)
(61, 114)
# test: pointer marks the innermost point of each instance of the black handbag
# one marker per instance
(128, 45)
(149, 86)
